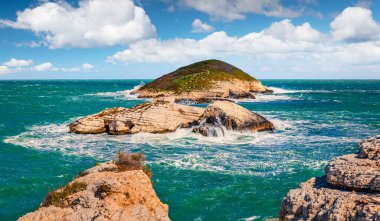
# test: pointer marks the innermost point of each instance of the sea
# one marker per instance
(243, 176)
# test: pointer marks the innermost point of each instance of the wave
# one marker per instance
(277, 90)
(124, 95)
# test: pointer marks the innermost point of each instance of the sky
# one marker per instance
(144, 39)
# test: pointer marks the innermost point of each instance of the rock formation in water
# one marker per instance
(116, 190)
(221, 115)
(349, 191)
(203, 82)
(164, 116)
(154, 117)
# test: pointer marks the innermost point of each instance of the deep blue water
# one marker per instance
(239, 177)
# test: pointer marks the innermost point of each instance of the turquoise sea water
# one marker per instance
(240, 177)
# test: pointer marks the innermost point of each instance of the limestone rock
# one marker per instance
(94, 124)
(103, 193)
(354, 173)
(232, 117)
(155, 117)
(370, 148)
(316, 200)
(349, 191)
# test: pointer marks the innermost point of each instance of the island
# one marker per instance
(202, 82)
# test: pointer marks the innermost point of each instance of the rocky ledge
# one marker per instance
(349, 191)
(202, 82)
(117, 190)
(164, 116)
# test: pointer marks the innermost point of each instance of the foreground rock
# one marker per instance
(349, 191)
(155, 117)
(163, 116)
(227, 115)
(202, 82)
(109, 191)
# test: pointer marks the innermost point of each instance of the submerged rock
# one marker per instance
(155, 117)
(204, 81)
(349, 191)
(104, 192)
(230, 116)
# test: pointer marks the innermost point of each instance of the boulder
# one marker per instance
(230, 116)
(370, 148)
(316, 200)
(349, 191)
(103, 192)
(152, 117)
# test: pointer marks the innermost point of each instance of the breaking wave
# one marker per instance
(123, 95)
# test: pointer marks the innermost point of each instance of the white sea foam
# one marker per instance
(249, 218)
(258, 154)
(277, 90)
(124, 95)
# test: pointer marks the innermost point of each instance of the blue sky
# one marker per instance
(122, 39)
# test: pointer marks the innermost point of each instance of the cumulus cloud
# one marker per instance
(285, 30)
(229, 10)
(94, 23)
(43, 67)
(278, 39)
(18, 63)
(355, 24)
(199, 26)
(284, 47)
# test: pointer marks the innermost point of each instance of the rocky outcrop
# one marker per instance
(104, 192)
(204, 81)
(154, 117)
(349, 191)
(95, 123)
(162, 116)
(227, 115)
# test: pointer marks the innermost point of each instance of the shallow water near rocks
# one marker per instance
(238, 177)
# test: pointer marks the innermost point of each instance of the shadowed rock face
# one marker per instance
(203, 82)
(164, 116)
(103, 193)
(228, 115)
(349, 191)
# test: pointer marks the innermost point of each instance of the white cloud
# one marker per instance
(229, 10)
(199, 26)
(4, 70)
(94, 23)
(355, 24)
(284, 47)
(47, 66)
(280, 38)
(87, 66)
(18, 63)
(285, 30)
